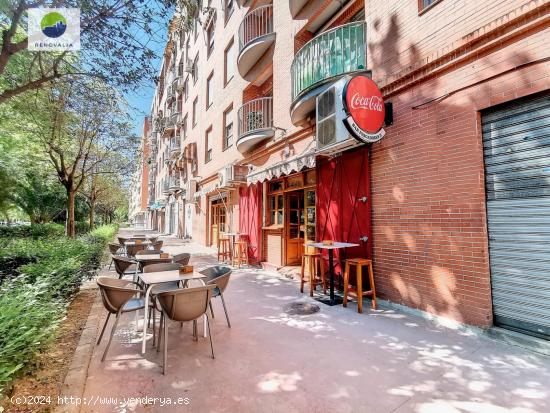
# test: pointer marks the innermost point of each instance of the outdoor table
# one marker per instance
(336, 245)
(146, 259)
(131, 243)
(150, 279)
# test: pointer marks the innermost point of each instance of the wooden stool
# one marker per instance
(224, 249)
(311, 260)
(240, 255)
(358, 263)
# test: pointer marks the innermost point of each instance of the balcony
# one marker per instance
(296, 6)
(175, 117)
(168, 125)
(255, 123)
(256, 36)
(175, 183)
(323, 60)
(175, 147)
(166, 188)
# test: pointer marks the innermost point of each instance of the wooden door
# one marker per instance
(294, 227)
(344, 202)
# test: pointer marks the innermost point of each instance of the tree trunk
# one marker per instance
(92, 213)
(70, 228)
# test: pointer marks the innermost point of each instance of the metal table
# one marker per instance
(150, 279)
(145, 259)
(333, 300)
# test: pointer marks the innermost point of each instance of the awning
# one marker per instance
(294, 164)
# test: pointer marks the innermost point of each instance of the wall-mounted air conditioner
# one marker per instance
(332, 135)
(232, 175)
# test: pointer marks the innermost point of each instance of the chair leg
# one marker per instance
(302, 275)
(311, 276)
(165, 353)
(111, 263)
(211, 308)
(111, 337)
(161, 326)
(359, 288)
(373, 289)
(154, 328)
(225, 310)
(346, 284)
(195, 332)
(103, 329)
(209, 335)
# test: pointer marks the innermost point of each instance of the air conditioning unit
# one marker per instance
(190, 189)
(332, 135)
(232, 175)
(188, 66)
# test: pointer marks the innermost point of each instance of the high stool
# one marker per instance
(358, 263)
(311, 260)
(224, 249)
(240, 255)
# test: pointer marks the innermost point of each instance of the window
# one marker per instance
(195, 102)
(425, 4)
(209, 94)
(186, 89)
(210, 37)
(228, 127)
(195, 72)
(275, 203)
(229, 7)
(184, 127)
(229, 62)
(208, 145)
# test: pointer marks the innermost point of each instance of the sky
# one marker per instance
(141, 99)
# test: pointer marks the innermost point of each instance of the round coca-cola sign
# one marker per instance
(365, 106)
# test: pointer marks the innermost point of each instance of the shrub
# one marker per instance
(32, 303)
(34, 231)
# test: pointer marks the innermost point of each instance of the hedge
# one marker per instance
(33, 303)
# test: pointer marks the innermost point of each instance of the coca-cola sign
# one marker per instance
(364, 104)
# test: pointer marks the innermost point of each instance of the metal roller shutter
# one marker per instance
(516, 142)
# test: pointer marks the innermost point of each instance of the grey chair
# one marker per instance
(164, 266)
(119, 297)
(182, 259)
(219, 277)
(124, 266)
(115, 249)
(181, 305)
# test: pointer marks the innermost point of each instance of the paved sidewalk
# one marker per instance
(332, 361)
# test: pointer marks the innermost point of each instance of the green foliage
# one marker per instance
(32, 231)
(33, 303)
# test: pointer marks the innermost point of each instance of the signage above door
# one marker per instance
(364, 105)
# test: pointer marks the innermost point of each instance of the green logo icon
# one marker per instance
(53, 24)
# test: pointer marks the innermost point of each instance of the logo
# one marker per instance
(364, 104)
(54, 29)
(53, 24)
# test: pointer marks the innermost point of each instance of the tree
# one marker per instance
(106, 25)
(86, 124)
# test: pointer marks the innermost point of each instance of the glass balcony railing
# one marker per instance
(330, 54)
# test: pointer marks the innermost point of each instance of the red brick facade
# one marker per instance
(429, 219)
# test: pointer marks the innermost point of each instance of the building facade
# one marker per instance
(139, 187)
(449, 204)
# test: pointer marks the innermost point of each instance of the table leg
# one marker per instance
(145, 316)
(331, 272)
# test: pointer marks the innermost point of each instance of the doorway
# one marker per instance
(295, 226)
(218, 220)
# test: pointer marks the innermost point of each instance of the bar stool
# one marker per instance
(224, 248)
(311, 260)
(358, 263)
(240, 255)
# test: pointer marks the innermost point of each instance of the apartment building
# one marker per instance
(248, 136)
(139, 186)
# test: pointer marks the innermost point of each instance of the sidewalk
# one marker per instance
(333, 361)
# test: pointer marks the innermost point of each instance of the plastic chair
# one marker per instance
(182, 258)
(124, 266)
(220, 278)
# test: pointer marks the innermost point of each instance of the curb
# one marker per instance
(75, 380)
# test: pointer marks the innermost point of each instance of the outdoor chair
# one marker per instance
(138, 236)
(124, 266)
(115, 249)
(119, 297)
(163, 266)
(219, 277)
(182, 259)
(182, 305)
(131, 250)
(153, 239)
(122, 240)
(156, 245)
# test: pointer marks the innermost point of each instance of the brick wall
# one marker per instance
(429, 219)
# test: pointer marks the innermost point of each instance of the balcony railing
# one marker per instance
(175, 147)
(256, 36)
(257, 23)
(175, 183)
(331, 54)
(166, 188)
(255, 123)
